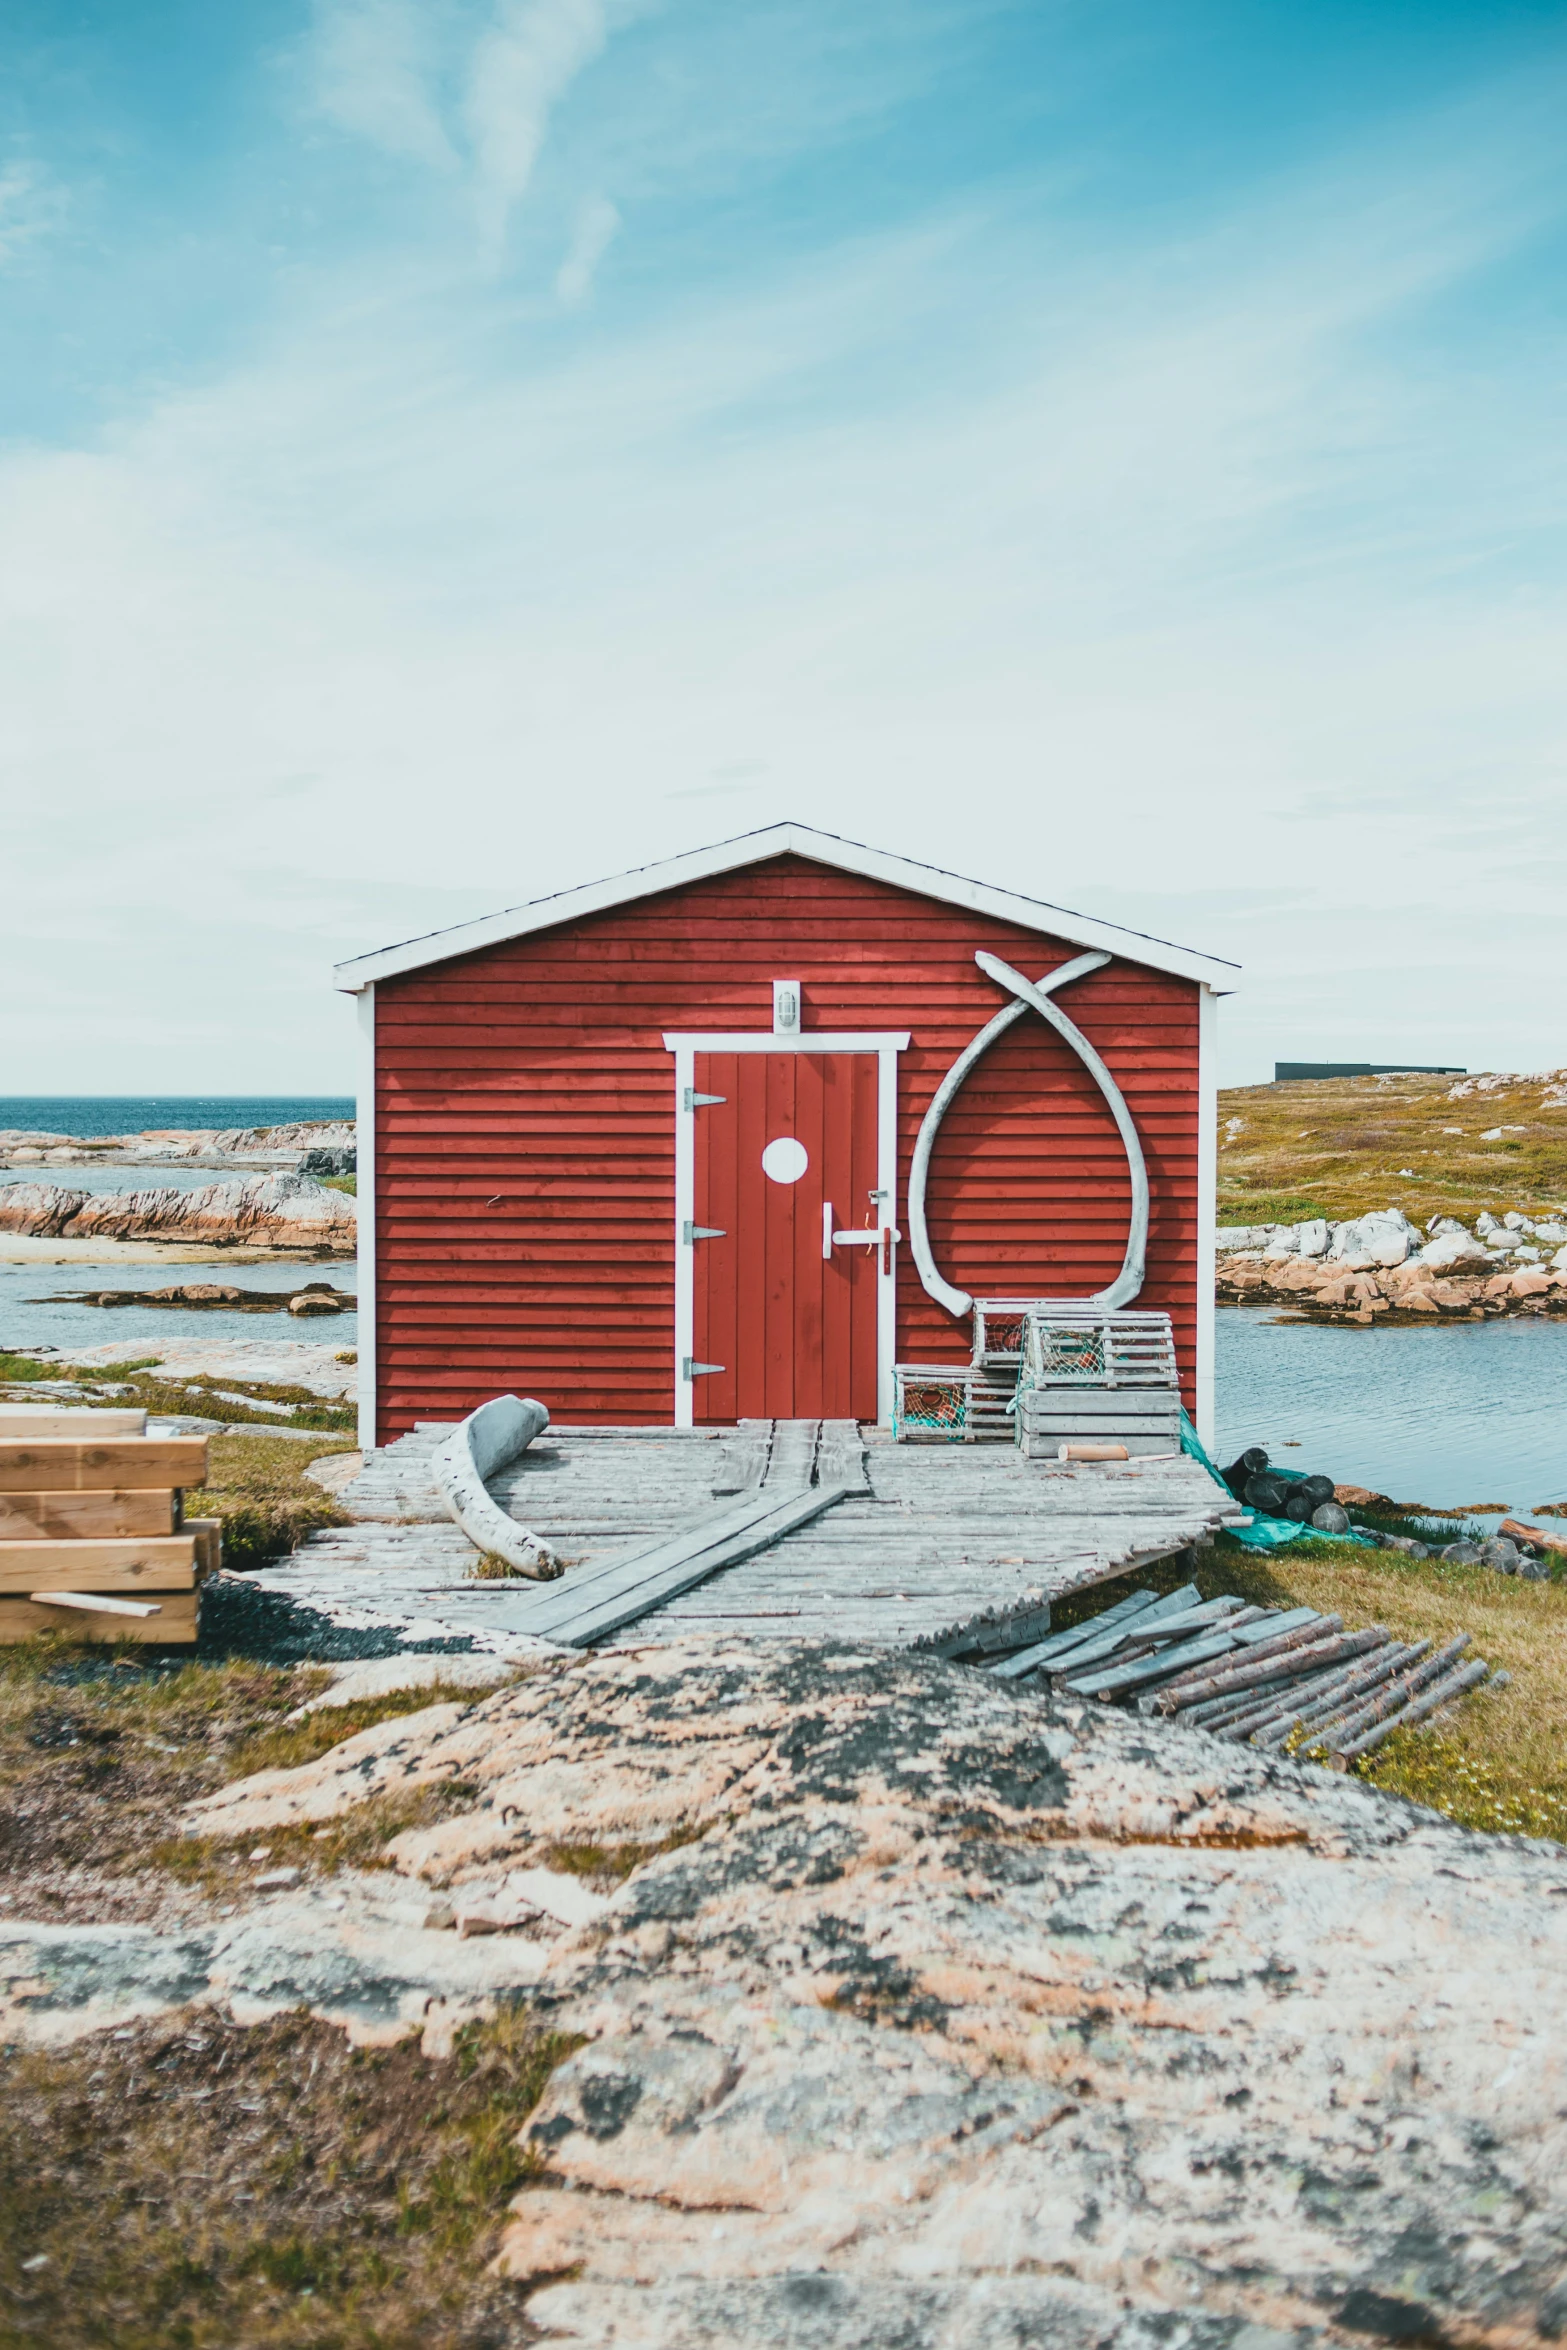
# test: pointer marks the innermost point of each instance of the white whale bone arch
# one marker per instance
(1029, 996)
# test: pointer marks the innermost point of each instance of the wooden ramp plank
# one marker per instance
(624, 1569)
(648, 1579)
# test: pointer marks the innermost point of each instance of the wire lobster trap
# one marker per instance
(1096, 1375)
(931, 1403)
(998, 1330)
(1083, 1345)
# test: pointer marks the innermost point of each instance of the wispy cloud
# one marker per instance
(1154, 567)
(523, 65)
(375, 62)
(32, 205)
(456, 88)
(598, 223)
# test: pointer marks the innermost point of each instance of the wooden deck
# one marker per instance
(926, 1537)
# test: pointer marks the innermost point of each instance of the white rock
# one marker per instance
(1552, 1232)
(1313, 1238)
(1384, 1237)
(1559, 1261)
(1517, 1223)
(1232, 1237)
(1285, 1241)
(1451, 1249)
(1485, 1222)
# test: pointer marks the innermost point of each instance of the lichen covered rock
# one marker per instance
(944, 2013)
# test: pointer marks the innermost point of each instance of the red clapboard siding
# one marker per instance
(525, 1131)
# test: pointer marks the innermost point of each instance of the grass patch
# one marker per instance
(353, 1839)
(266, 1502)
(1500, 1755)
(101, 1749)
(1336, 1147)
(612, 1864)
(202, 1395)
(490, 1567)
(196, 2186)
(1498, 1761)
(348, 1183)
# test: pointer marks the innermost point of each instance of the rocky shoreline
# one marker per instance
(1382, 1266)
(298, 1146)
(279, 1211)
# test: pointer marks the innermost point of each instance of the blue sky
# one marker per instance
(450, 449)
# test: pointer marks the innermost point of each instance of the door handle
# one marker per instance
(827, 1231)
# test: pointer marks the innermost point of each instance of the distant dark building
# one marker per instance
(1285, 1071)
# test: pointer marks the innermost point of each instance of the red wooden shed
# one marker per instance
(652, 1150)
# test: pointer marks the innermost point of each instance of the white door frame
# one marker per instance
(886, 1044)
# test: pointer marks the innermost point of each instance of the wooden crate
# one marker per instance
(105, 1513)
(52, 1419)
(1145, 1420)
(89, 1513)
(998, 1329)
(63, 1464)
(176, 1625)
(992, 1388)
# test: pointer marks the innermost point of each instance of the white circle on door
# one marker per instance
(785, 1160)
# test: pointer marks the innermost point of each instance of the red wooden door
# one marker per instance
(794, 1327)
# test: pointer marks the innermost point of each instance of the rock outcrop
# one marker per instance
(258, 1211)
(940, 2013)
(1381, 1263)
(294, 1145)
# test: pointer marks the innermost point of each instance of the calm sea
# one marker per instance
(88, 1114)
(1462, 1412)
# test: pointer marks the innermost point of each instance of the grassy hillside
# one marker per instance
(1433, 1146)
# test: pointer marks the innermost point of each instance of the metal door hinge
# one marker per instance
(695, 1370)
(690, 1232)
(703, 1101)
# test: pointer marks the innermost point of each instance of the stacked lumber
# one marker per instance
(93, 1536)
(1260, 1676)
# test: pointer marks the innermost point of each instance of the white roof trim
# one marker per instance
(777, 840)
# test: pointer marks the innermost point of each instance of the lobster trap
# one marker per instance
(1045, 1373)
(931, 1403)
(1069, 1345)
(1094, 1375)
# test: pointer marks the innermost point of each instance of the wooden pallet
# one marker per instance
(93, 1540)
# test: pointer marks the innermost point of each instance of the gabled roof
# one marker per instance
(778, 840)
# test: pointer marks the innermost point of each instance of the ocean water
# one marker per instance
(87, 1115)
(27, 1318)
(1461, 1413)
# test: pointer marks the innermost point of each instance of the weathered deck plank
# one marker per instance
(923, 1538)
